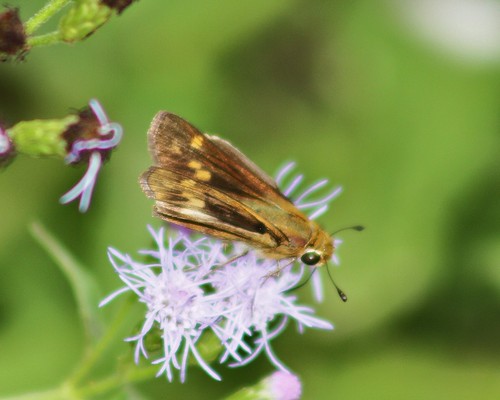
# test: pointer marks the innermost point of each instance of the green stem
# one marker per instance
(117, 380)
(95, 353)
(51, 394)
(69, 389)
(245, 394)
(44, 40)
(130, 374)
(52, 7)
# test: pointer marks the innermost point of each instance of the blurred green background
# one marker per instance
(396, 101)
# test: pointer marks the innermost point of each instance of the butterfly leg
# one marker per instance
(230, 260)
(235, 258)
(277, 272)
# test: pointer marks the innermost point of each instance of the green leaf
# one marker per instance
(83, 284)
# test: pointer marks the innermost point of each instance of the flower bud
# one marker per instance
(42, 137)
(283, 386)
(118, 5)
(278, 386)
(83, 19)
(12, 35)
(89, 133)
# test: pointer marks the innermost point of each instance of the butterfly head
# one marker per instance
(319, 249)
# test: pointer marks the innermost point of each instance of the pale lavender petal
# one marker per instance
(112, 296)
(318, 212)
(284, 171)
(85, 186)
(322, 201)
(312, 189)
(317, 286)
(203, 364)
(98, 111)
(293, 185)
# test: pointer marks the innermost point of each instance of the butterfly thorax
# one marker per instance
(312, 240)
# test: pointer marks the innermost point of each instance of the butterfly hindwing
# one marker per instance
(196, 205)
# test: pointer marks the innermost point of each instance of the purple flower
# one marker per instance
(89, 140)
(198, 283)
(185, 295)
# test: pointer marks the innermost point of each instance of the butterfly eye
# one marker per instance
(311, 257)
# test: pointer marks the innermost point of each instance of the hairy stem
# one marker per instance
(42, 16)
(118, 380)
(44, 40)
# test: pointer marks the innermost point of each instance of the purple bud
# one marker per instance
(118, 5)
(92, 132)
(284, 386)
(7, 150)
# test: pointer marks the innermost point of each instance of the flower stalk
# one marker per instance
(80, 21)
(42, 16)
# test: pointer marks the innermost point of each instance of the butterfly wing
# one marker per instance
(204, 183)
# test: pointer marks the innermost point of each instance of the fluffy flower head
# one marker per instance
(195, 286)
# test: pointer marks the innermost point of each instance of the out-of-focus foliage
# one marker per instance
(350, 90)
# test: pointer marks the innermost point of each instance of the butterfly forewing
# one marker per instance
(176, 144)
